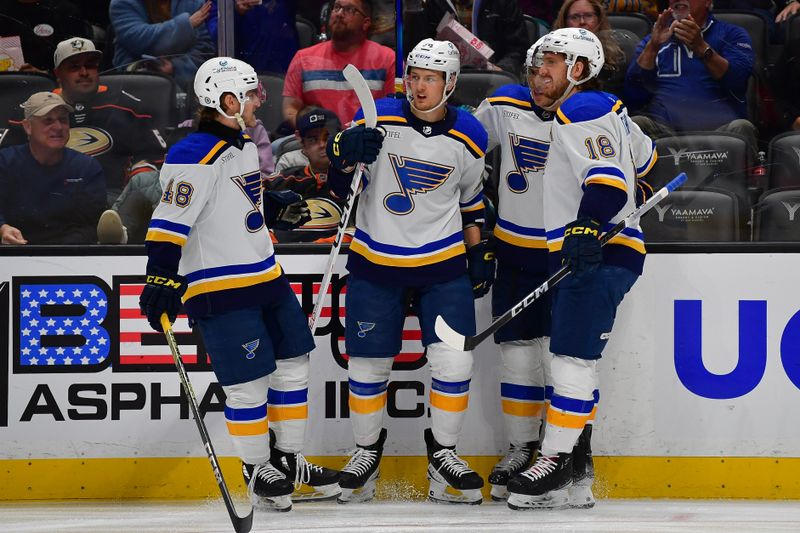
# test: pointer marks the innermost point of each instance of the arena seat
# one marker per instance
(271, 111)
(633, 22)
(154, 93)
(776, 216)
(16, 87)
(713, 161)
(693, 215)
(535, 28)
(754, 25)
(783, 160)
(305, 32)
(475, 85)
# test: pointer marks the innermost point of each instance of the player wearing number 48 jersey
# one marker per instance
(590, 182)
(422, 201)
(208, 245)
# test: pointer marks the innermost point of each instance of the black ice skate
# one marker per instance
(545, 485)
(267, 487)
(357, 478)
(580, 493)
(311, 482)
(517, 459)
(451, 479)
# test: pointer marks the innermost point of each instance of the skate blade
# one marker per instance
(499, 493)
(281, 504)
(441, 493)
(581, 497)
(308, 493)
(362, 494)
(555, 499)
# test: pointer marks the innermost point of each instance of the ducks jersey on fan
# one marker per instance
(522, 130)
(596, 155)
(417, 197)
(210, 218)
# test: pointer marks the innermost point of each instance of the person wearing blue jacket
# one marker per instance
(691, 74)
(173, 31)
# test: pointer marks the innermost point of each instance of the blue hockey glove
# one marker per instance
(161, 294)
(581, 249)
(480, 266)
(354, 145)
(285, 210)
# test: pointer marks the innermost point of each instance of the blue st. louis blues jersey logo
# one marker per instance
(250, 184)
(414, 177)
(530, 155)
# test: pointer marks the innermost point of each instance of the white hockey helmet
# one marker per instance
(221, 75)
(533, 57)
(436, 55)
(575, 43)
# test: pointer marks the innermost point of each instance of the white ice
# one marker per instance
(210, 516)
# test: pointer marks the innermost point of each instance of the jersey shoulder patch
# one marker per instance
(469, 131)
(513, 95)
(586, 106)
(390, 111)
(196, 149)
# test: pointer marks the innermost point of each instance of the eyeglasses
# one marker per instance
(577, 18)
(75, 67)
(348, 10)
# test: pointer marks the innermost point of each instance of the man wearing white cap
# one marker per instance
(49, 194)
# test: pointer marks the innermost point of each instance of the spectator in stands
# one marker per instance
(40, 25)
(310, 178)
(590, 15)
(170, 35)
(787, 84)
(315, 74)
(691, 74)
(544, 10)
(266, 36)
(790, 8)
(498, 23)
(49, 194)
(106, 124)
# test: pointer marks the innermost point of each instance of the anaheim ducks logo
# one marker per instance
(325, 215)
(89, 141)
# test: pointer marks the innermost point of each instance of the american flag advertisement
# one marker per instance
(78, 358)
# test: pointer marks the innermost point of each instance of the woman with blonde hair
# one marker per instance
(591, 15)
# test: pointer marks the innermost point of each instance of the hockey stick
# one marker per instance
(241, 524)
(461, 342)
(359, 85)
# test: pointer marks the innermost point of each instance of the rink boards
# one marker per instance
(697, 384)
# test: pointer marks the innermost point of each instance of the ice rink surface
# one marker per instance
(207, 517)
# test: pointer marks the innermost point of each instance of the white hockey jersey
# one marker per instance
(595, 142)
(522, 130)
(210, 217)
(417, 196)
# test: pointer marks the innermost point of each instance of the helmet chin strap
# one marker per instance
(236, 116)
(445, 97)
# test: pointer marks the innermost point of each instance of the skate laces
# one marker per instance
(544, 465)
(265, 472)
(361, 461)
(452, 462)
(516, 458)
(303, 470)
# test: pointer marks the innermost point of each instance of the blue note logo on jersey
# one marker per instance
(250, 185)
(414, 177)
(530, 155)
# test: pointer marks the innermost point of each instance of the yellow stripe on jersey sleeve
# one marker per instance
(467, 140)
(161, 236)
(211, 153)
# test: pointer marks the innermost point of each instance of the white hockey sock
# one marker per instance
(571, 405)
(451, 372)
(288, 403)
(368, 379)
(522, 383)
(246, 418)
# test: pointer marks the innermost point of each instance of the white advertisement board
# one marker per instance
(704, 360)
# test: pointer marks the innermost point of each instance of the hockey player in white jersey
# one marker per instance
(590, 183)
(516, 121)
(209, 249)
(417, 238)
